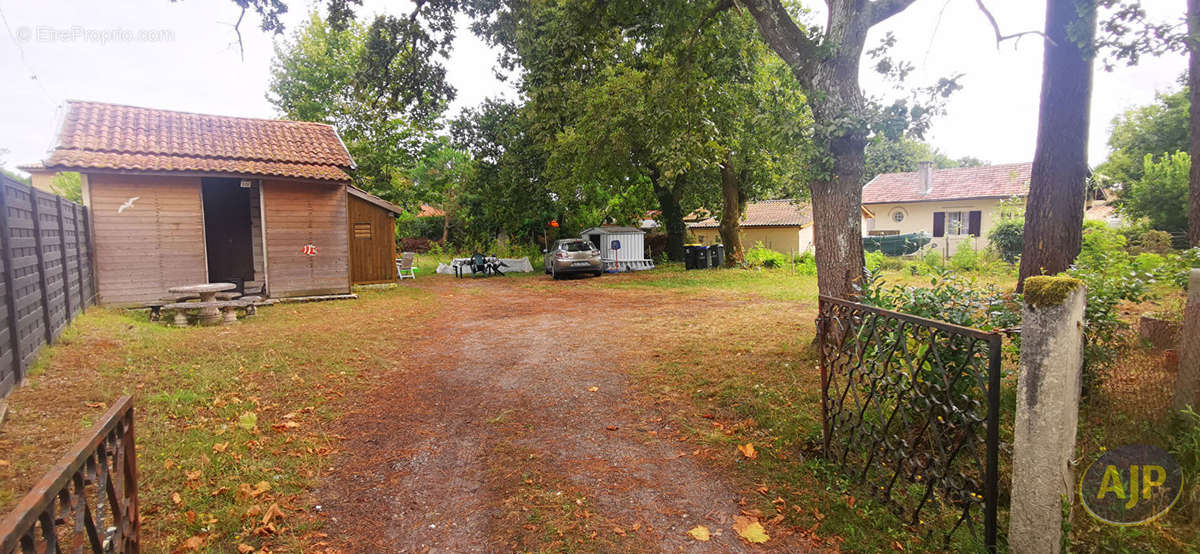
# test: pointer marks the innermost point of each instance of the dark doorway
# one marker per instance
(595, 240)
(227, 230)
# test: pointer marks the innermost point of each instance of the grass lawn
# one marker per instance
(234, 422)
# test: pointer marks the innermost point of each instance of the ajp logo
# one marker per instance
(1131, 485)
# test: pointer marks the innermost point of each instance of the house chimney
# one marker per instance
(925, 172)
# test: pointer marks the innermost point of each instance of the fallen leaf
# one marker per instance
(254, 511)
(593, 389)
(750, 529)
(194, 475)
(244, 548)
(176, 498)
(747, 450)
(220, 446)
(253, 491)
(700, 533)
(612, 427)
(193, 543)
(191, 516)
(167, 465)
(248, 420)
(619, 531)
(272, 513)
(95, 404)
(3, 463)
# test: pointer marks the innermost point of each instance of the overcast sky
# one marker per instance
(183, 56)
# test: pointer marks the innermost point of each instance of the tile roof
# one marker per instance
(109, 136)
(430, 211)
(767, 213)
(960, 183)
(371, 198)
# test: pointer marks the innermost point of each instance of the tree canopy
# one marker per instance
(1157, 130)
(316, 76)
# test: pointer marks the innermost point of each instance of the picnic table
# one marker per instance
(491, 265)
(209, 306)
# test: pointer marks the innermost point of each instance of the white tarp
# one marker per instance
(518, 265)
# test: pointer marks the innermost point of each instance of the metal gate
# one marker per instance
(910, 408)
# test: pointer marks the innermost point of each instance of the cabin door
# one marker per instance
(227, 235)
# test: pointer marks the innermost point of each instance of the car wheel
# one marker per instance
(599, 273)
(554, 274)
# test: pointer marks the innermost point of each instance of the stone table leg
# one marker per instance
(230, 314)
(180, 319)
(210, 315)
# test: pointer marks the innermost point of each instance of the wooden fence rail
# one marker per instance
(45, 273)
(88, 501)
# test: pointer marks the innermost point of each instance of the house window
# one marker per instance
(362, 230)
(955, 223)
(898, 216)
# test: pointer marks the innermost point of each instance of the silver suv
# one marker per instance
(572, 256)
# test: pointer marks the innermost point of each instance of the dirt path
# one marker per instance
(493, 438)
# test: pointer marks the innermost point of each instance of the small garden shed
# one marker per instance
(180, 198)
(372, 237)
(630, 251)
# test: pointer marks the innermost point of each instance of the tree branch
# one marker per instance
(1000, 37)
(784, 36)
(237, 29)
(881, 10)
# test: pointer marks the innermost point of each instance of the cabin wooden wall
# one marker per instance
(154, 243)
(299, 214)
(372, 243)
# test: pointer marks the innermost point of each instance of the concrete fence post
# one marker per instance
(1187, 382)
(1048, 389)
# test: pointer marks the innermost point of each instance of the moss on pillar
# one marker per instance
(1045, 290)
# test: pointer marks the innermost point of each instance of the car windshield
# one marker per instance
(577, 246)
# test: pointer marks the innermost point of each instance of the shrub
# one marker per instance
(1161, 195)
(761, 256)
(1149, 263)
(893, 263)
(1155, 242)
(932, 258)
(418, 245)
(1008, 238)
(873, 260)
(965, 258)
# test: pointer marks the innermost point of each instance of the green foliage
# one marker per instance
(1154, 241)
(902, 154)
(1185, 442)
(761, 256)
(1107, 269)
(69, 185)
(1155, 130)
(1008, 238)
(1161, 195)
(441, 175)
(1149, 263)
(949, 297)
(872, 261)
(318, 75)
(965, 258)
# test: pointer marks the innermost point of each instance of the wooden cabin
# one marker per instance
(372, 237)
(180, 198)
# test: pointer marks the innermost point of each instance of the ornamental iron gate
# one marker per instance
(910, 408)
(88, 500)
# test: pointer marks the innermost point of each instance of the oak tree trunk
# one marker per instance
(830, 72)
(1058, 184)
(1193, 44)
(731, 214)
(672, 214)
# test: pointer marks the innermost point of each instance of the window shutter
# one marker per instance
(939, 224)
(974, 222)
